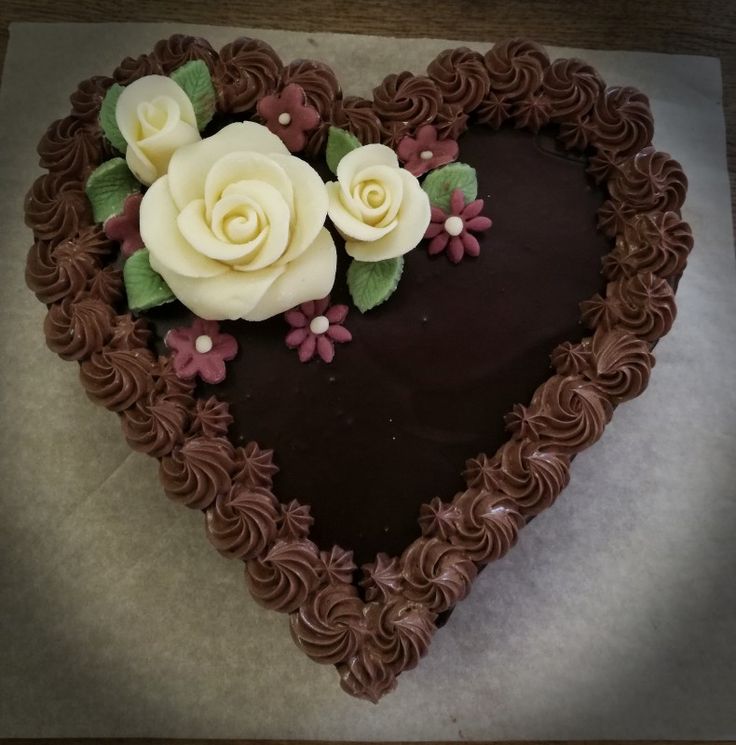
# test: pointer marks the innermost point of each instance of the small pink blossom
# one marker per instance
(425, 151)
(125, 228)
(201, 349)
(315, 327)
(288, 115)
(451, 231)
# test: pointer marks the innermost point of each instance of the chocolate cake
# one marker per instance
(365, 337)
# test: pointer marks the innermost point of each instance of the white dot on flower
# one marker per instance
(426, 155)
(454, 225)
(203, 344)
(285, 119)
(319, 324)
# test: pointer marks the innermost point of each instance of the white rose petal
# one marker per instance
(310, 199)
(261, 217)
(347, 223)
(227, 296)
(376, 195)
(156, 117)
(362, 157)
(160, 234)
(311, 276)
(190, 165)
(256, 296)
(379, 208)
(236, 218)
(246, 166)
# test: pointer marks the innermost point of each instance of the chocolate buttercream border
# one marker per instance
(371, 641)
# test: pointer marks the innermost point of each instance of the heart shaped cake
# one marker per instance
(365, 337)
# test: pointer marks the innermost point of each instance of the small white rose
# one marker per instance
(155, 116)
(236, 227)
(379, 208)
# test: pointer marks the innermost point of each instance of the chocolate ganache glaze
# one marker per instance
(431, 374)
(481, 380)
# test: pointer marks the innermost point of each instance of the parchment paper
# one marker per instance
(613, 618)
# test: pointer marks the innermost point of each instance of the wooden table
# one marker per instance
(705, 27)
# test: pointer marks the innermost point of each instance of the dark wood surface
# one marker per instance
(706, 27)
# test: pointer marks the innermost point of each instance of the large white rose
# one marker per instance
(379, 208)
(155, 117)
(236, 228)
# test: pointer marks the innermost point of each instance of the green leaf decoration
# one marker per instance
(194, 78)
(373, 282)
(108, 122)
(339, 143)
(108, 186)
(441, 182)
(144, 287)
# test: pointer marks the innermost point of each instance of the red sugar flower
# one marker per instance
(425, 151)
(451, 231)
(288, 115)
(125, 228)
(315, 327)
(201, 349)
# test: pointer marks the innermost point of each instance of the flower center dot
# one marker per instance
(426, 155)
(454, 225)
(285, 119)
(319, 324)
(203, 344)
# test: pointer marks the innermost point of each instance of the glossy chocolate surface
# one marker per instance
(429, 375)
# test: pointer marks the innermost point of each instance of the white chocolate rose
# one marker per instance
(236, 227)
(379, 208)
(155, 117)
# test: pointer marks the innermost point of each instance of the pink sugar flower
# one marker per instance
(201, 349)
(451, 231)
(125, 228)
(315, 327)
(425, 151)
(288, 115)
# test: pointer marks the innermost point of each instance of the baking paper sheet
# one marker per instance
(614, 617)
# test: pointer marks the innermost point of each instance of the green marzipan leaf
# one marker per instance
(108, 186)
(144, 287)
(441, 182)
(373, 282)
(194, 78)
(339, 143)
(107, 118)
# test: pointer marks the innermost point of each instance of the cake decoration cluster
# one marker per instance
(234, 226)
